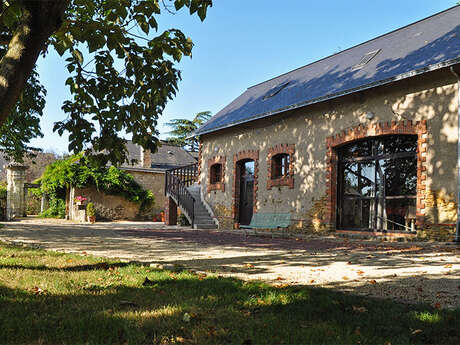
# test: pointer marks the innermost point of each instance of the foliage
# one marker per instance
(78, 171)
(56, 209)
(23, 124)
(3, 189)
(122, 71)
(33, 202)
(183, 128)
(182, 220)
(90, 210)
(56, 298)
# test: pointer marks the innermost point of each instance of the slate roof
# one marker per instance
(426, 45)
(167, 156)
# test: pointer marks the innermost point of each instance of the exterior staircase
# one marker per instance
(203, 219)
(181, 187)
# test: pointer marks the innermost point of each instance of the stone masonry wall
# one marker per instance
(431, 98)
(108, 207)
(112, 207)
(155, 182)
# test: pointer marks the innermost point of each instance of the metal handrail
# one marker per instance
(176, 182)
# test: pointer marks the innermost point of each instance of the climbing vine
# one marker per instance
(77, 171)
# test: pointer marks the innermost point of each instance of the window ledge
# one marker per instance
(281, 181)
(216, 186)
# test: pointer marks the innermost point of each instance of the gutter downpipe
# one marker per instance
(457, 233)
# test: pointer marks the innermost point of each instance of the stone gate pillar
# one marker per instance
(15, 202)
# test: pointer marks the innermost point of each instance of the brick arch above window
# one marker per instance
(214, 182)
(274, 179)
(418, 128)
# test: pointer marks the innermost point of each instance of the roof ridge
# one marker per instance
(357, 45)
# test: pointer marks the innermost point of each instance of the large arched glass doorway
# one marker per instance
(377, 184)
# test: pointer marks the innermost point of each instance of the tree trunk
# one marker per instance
(39, 21)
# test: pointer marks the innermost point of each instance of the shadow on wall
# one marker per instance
(310, 179)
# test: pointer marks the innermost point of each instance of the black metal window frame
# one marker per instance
(375, 158)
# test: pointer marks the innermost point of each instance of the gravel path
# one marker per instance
(406, 272)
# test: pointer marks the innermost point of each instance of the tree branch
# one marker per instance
(39, 21)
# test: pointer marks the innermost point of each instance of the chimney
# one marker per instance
(146, 159)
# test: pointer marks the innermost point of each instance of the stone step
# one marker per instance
(205, 226)
(204, 220)
(202, 215)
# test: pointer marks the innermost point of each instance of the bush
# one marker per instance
(33, 203)
(90, 210)
(56, 209)
(182, 220)
(3, 189)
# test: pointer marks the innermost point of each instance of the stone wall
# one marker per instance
(155, 182)
(112, 207)
(108, 207)
(431, 97)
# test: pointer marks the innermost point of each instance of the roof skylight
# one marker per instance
(275, 90)
(365, 59)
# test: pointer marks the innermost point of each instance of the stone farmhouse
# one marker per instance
(363, 141)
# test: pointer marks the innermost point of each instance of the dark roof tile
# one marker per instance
(428, 44)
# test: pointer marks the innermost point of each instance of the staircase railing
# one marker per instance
(176, 182)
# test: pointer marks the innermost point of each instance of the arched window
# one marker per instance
(280, 165)
(377, 183)
(216, 173)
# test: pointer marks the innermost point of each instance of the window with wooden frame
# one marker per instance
(280, 165)
(216, 173)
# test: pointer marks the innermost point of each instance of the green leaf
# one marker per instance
(78, 55)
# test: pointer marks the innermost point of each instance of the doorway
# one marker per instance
(377, 184)
(246, 200)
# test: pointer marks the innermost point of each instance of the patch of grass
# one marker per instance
(55, 298)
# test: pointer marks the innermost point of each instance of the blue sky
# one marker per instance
(244, 42)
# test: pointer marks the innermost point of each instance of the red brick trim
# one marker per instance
(285, 180)
(418, 128)
(219, 185)
(170, 211)
(253, 155)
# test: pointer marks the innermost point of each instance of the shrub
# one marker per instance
(77, 171)
(3, 189)
(56, 209)
(182, 220)
(90, 210)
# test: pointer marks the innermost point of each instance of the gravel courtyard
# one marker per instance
(406, 272)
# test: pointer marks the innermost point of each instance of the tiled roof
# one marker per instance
(167, 156)
(426, 45)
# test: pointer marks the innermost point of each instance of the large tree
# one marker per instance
(121, 69)
(183, 129)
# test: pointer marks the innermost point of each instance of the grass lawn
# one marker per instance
(54, 298)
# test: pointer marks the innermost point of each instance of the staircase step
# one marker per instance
(204, 221)
(205, 226)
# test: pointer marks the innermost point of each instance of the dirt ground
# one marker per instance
(405, 272)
